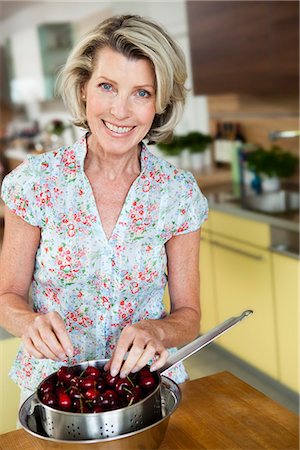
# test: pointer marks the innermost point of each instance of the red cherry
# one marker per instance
(91, 394)
(64, 402)
(101, 384)
(87, 382)
(145, 371)
(122, 386)
(110, 380)
(49, 399)
(65, 374)
(97, 409)
(91, 371)
(60, 390)
(46, 386)
(109, 399)
(147, 382)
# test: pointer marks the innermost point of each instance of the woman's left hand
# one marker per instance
(142, 342)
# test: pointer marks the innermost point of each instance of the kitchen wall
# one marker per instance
(84, 16)
(258, 116)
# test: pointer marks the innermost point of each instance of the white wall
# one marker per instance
(171, 14)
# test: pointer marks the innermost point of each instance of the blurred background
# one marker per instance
(239, 136)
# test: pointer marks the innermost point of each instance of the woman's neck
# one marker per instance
(111, 166)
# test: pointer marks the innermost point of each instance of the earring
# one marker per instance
(83, 97)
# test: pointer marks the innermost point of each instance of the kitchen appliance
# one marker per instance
(68, 426)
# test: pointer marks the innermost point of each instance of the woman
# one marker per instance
(93, 227)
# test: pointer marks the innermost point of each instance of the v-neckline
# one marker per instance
(106, 238)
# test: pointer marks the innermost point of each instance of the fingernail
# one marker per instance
(123, 374)
(70, 352)
(113, 372)
(135, 369)
(62, 356)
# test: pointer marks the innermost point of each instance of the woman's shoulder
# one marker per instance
(161, 170)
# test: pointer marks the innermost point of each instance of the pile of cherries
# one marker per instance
(94, 390)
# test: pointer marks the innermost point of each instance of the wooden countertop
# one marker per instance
(216, 412)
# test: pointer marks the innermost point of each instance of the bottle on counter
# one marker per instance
(219, 143)
(236, 156)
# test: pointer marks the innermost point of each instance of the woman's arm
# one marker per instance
(150, 338)
(44, 335)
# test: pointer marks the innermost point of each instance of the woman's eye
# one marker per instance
(143, 93)
(106, 86)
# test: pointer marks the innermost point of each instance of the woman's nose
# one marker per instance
(120, 107)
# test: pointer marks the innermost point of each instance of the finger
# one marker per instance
(149, 352)
(62, 335)
(29, 347)
(124, 343)
(133, 357)
(107, 366)
(50, 340)
(160, 361)
(41, 346)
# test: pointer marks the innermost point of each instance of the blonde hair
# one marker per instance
(134, 37)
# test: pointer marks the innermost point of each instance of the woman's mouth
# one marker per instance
(115, 129)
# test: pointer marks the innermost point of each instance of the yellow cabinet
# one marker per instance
(9, 392)
(285, 279)
(209, 316)
(240, 229)
(243, 280)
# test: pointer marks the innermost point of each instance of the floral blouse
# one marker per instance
(98, 285)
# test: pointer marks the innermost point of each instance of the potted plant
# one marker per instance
(271, 165)
(198, 145)
(172, 150)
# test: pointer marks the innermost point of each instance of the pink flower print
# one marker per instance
(69, 162)
(21, 206)
(105, 303)
(146, 186)
(52, 295)
(28, 368)
(43, 195)
(68, 264)
(79, 317)
(134, 287)
(44, 165)
(136, 215)
(184, 227)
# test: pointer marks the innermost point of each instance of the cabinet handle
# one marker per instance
(235, 250)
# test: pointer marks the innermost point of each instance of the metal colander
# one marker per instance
(77, 426)
(71, 426)
(149, 437)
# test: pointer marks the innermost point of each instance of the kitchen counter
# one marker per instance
(227, 197)
(284, 226)
(216, 412)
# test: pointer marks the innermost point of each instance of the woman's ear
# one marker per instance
(83, 93)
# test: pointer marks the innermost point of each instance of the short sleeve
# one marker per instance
(18, 191)
(192, 209)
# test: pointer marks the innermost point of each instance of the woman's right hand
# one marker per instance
(46, 336)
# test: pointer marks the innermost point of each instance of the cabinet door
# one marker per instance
(236, 46)
(9, 391)
(285, 277)
(243, 280)
(207, 293)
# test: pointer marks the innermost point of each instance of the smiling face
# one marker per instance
(120, 101)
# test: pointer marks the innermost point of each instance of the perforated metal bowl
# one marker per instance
(148, 437)
(77, 426)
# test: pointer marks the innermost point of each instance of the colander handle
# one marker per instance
(200, 342)
(34, 404)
